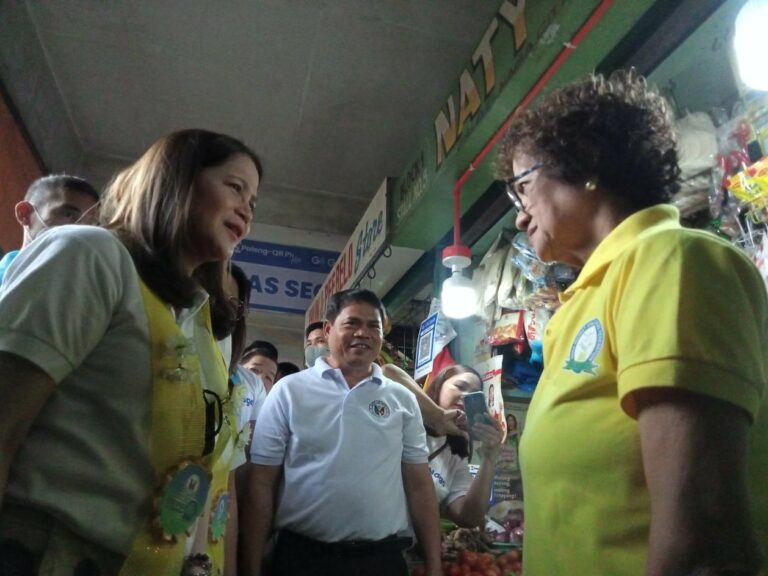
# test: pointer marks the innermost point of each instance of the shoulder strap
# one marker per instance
(437, 452)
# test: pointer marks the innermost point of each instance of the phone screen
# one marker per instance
(476, 408)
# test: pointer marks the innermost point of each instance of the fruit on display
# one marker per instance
(471, 563)
(506, 522)
(470, 552)
(512, 527)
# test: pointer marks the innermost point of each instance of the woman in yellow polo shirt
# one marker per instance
(646, 439)
(116, 423)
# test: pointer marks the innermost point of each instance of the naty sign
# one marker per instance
(364, 246)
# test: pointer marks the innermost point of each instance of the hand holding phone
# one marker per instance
(476, 408)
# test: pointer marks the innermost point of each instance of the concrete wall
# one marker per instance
(18, 169)
(32, 88)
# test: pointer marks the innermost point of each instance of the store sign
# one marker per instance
(283, 278)
(449, 127)
(505, 34)
(365, 244)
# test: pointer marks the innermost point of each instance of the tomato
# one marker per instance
(468, 558)
(486, 558)
(451, 569)
(514, 555)
(517, 567)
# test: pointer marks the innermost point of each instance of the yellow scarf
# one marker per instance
(184, 478)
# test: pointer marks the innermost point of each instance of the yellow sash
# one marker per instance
(177, 436)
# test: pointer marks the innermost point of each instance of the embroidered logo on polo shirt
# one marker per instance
(379, 408)
(585, 348)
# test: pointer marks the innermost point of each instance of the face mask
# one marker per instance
(312, 353)
(81, 218)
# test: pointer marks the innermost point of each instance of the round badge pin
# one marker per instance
(182, 499)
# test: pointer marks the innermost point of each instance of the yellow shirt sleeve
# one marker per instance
(691, 312)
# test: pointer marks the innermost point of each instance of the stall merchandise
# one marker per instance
(468, 551)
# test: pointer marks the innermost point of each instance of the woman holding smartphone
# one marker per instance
(115, 427)
(462, 499)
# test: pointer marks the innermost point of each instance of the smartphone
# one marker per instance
(476, 407)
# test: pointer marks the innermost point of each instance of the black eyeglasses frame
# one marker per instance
(510, 186)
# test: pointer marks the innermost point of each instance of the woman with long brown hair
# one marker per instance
(115, 427)
(462, 499)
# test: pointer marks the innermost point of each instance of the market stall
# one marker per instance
(722, 126)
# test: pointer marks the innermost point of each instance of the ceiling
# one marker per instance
(333, 94)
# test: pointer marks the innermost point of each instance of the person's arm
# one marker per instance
(231, 532)
(694, 452)
(469, 510)
(258, 515)
(422, 504)
(442, 421)
(24, 389)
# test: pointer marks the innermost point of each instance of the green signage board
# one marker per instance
(519, 45)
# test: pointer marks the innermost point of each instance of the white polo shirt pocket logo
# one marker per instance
(379, 408)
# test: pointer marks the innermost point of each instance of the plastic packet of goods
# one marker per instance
(543, 297)
(560, 276)
(751, 182)
(485, 278)
(509, 328)
(535, 322)
(490, 370)
(716, 194)
(526, 260)
(506, 294)
(492, 276)
(524, 289)
(696, 143)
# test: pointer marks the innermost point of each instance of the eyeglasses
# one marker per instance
(512, 192)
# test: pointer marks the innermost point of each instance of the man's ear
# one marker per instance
(23, 211)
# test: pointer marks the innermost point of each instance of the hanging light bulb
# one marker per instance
(458, 296)
(749, 42)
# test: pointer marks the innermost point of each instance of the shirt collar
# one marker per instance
(322, 368)
(661, 216)
(199, 299)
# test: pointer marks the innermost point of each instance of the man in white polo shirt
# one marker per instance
(338, 460)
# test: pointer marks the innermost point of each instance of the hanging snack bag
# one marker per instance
(506, 296)
(535, 321)
(485, 278)
(491, 373)
(525, 258)
(508, 328)
(751, 183)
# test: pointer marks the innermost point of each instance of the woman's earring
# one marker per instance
(590, 185)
